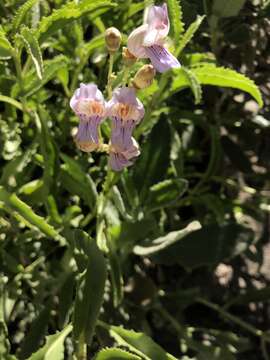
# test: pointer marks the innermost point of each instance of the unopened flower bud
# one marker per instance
(113, 39)
(144, 77)
(128, 58)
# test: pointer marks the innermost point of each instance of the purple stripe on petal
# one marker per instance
(88, 130)
(161, 58)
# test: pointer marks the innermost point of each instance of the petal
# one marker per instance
(118, 162)
(161, 58)
(135, 42)
(159, 25)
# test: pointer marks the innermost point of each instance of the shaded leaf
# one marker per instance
(166, 241)
(166, 193)
(227, 8)
(207, 246)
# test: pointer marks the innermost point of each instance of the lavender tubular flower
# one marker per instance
(89, 105)
(147, 41)
(126, 111)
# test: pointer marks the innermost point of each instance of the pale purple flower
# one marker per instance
(126, 111)
(147, 41)
(89, 105)
(122, 151)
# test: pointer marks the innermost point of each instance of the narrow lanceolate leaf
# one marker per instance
(115, 354)
(188, 35)
(194, 84)
(176, 19)
(219, 76)
(12, 202)
(221, 242)
(68, 13)
(54, 347)
(6, 49)
(138, 343)
(166, 241)
(21, 13)
(11, 101)
(90, 290)
(32, 47)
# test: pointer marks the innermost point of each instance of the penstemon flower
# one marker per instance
(147, 41)
(89, 105)
(126, 111)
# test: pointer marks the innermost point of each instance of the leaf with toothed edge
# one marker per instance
(115, 354)
(219, 76)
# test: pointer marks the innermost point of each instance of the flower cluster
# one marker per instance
(124, 109)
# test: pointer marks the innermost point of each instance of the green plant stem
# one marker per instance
(234, 319)
(18, 68)
(110, 72)
(125, 76)
(81, 353)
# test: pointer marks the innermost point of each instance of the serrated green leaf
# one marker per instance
(90, 290)
(21, 13)
(32, 47)
(115, 354)
(138, 342)
(176, 18)
(166, 241)
(15, 204)
(54, 347)
(68, 13)
(219, 76)
(227, 8)
(188, 35)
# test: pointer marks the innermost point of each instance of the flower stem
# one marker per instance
(81, 353)
(109, 84)
(234, 319)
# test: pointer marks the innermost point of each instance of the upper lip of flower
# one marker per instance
(90, 107)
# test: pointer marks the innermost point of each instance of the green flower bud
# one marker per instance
(144, 77)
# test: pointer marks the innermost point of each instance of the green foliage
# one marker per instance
(68, 13)
(33, 49)
(188, 35)
(228, 8)
(176, 16)
(138, 343)
(21, 13)
(115, 354)
(212, 75)
(87, 253)
(90, 290)
(6, 50)
(54, 347)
